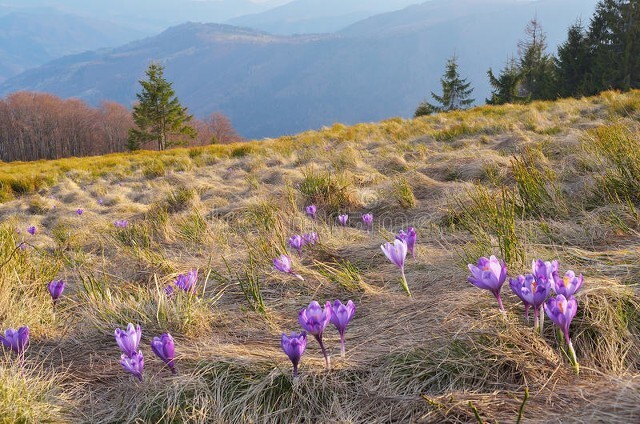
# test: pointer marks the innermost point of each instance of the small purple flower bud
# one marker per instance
(56, 287)
(340, 317)
(168, 291)
(164, 348)
(79, 211)
(490, 274)
(283, 264)
(100, 201)
(294, 346)
(187, 282)
(367, 218)
(133, 364)
(296, 242)
(16, 340)
(121, 223)
(311, 238)
(342, 219)
(31, 230)
(311, 211)
(129, 339)
(410, 238)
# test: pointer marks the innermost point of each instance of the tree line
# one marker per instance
(604, 55)
(43, 126)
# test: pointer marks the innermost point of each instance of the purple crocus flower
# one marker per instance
(516, 284)
(310, 238)
(56, 287)
(283, 264)
(187, 282)
(396, 252)
(342, 219)
(490, 274)
(31, 230)
(168, 291)
(314, 320)
(543, 271)
(121, 223)
(531, 292)
(296, 242)
(568, 285)
(16, 340)
(367, 218)
(79, 211)
(410, 238)
(561, 310)
(311, 211)
(133, 364)
(294, 346)
(100, 201)
(164, 348)
(340, 317)
(129, 339)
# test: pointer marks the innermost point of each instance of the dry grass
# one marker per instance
(508, 180)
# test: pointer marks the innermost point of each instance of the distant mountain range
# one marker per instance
(29, 39)
(270, 85)
(317, 16)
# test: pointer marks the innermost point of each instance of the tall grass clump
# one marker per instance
(536, 184)
(329, 191)
(491, 219)
(403, 193)
(30, 395)
(343, 273)
(617, 151)
(248, 280)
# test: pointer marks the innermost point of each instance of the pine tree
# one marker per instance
(455, 92)
(572, 63)
(506, 87)
(535, 65)
(614, 39)
(158, 115)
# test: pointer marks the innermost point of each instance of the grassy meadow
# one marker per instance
(550, 180)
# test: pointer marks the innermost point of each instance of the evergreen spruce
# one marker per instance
(455, 92)
(506, 86)
(572, 63)
(158, 115)
(614, 39)
(536, 65)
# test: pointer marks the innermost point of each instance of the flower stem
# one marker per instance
(500, 303)
(541, 319)
(342, 345)
(535, 318)
(405, 286)
(324, 351)
(295, 371)
(574, 359)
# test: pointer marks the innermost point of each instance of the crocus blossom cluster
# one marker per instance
(132, 359)
(535, 290)
(16, 340)
(123, 223)
(297, 241)
(314, 319)
(410, 238)
(187, 282)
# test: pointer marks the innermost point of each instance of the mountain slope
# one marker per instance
(270, 85)
(29, 39)
(317, 16)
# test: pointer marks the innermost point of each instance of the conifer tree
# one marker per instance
(158, 115)
(455, 92)
(614, 39)
(572, 63)
(506, 86)
(536, 65)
